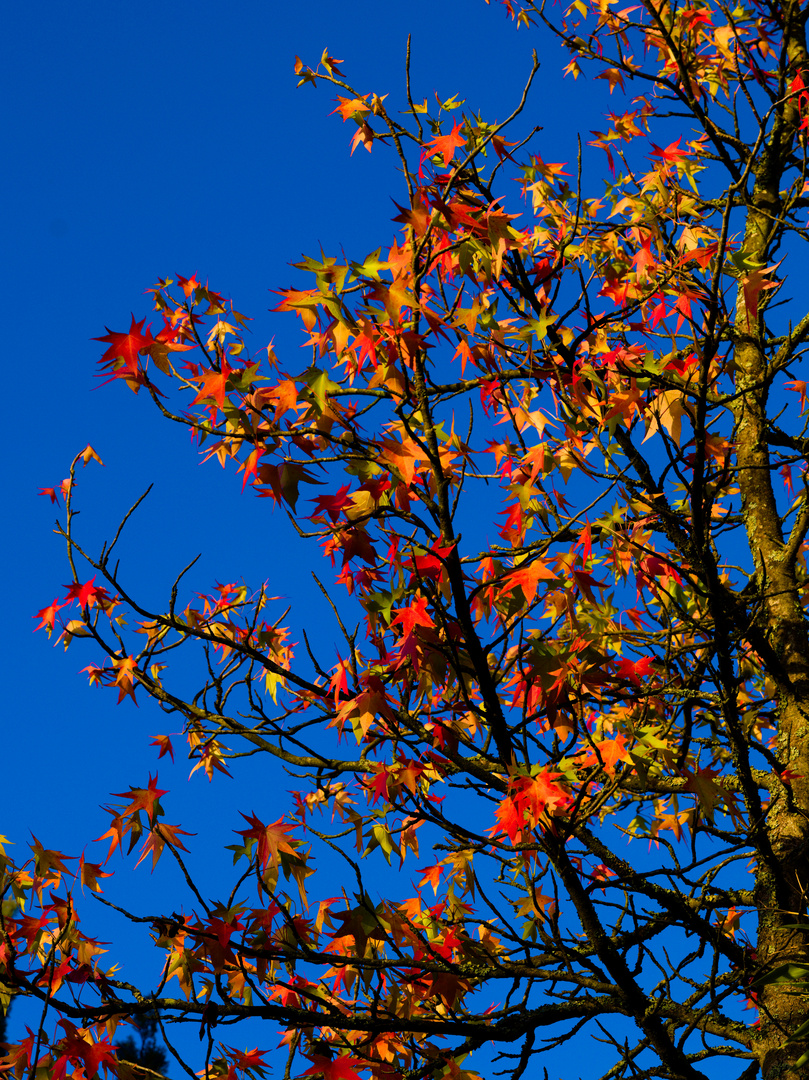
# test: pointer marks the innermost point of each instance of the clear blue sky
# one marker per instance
(148, 140)
(144, 140)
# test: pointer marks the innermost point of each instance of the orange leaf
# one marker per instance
(446, 145)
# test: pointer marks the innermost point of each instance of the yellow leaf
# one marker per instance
(667, 411)
(88, 453)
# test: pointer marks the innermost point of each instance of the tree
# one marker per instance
(608, 382)
(149, 1055)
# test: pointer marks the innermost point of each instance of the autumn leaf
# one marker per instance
(527, 578)
(89, 454)
(164, 743)
(125, 679)
(330, 64)
(271, 839)
(532, 802)
(87, 594)
(49, 864)
(413, 616)
(349, 108)
(666, 411)
(161, 834)
(89, 873)
(142, 799)
(446, 145)
(188, 285)
(250, 1061)
(797, 385)
(729, 922)
(333, 505)
(637, 671)
(78, 1047)
(213, 385)
(753, 283)
(122, 356)
(673, 153)
(702, 782)
(607, 754)
(342, 1067)
(47, 616)
(365, 135)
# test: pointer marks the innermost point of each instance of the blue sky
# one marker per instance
(162, 138)
(142, 141)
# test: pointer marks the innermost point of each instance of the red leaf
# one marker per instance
(142, 799)
(332, 504)
(672, 152)
(160, 835)
(164, 742)
(85, 595)
(414, 615)
(339, 1068)
(121, 358)
(637, 671)
(271, 838)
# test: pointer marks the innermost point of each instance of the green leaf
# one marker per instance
(320, 386)
(371, 267)
(781, 974)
